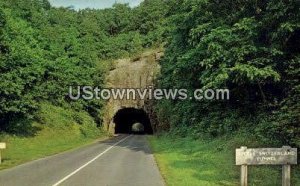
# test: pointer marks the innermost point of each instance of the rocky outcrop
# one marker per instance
(138, 73)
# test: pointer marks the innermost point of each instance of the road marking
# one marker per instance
(91, 161)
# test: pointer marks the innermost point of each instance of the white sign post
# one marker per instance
(285, 156)
(2, 146)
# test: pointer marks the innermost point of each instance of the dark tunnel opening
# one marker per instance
(132, 121)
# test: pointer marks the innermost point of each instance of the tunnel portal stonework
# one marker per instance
(139, 73)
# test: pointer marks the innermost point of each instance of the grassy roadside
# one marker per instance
(57, 130)
(185, 161)
(47, 142)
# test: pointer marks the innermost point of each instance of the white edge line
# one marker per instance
(89, 162)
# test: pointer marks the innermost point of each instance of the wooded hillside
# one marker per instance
(44, 50)
(250, 47)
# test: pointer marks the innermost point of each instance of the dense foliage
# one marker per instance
(43, 50)
(250, 47)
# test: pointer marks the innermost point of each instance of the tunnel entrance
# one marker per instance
(131, 120)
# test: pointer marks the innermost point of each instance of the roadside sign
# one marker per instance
(2, 145)
(266, 156)
(285, 156)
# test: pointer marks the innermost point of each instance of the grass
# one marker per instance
(56, 131)
(189, 162)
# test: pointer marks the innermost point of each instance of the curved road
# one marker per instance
(124, 160)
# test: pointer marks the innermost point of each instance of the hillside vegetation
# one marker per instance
(43, 51)
(56, 130)
(251, 48)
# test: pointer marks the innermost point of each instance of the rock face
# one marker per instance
(139, 73)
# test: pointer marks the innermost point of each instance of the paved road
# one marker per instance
(123, 160)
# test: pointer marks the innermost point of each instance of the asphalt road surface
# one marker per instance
(120, 161)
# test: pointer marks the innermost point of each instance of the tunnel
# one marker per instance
(127, 119)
